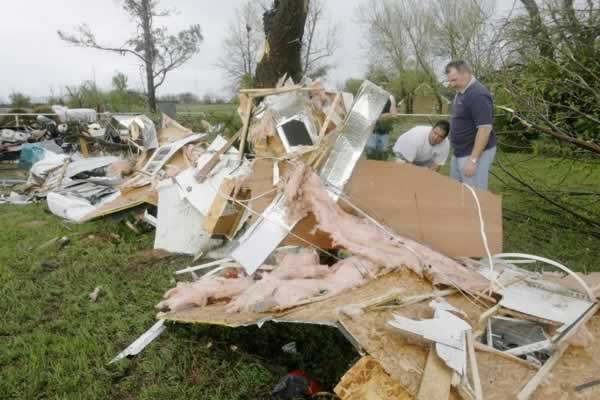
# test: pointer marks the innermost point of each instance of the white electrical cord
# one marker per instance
(483, 235)
(589, 292)
(522, 257)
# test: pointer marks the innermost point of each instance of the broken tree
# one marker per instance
(284, 28)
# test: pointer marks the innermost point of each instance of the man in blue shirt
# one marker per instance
(471, 134)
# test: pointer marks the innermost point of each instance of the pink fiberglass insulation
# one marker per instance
(305, 192)
(202, 292)
(299, 277)
(301, 265)
(262, 129)
(273, 293)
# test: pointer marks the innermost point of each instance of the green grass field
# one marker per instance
(55, 342)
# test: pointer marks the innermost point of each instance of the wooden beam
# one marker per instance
(488, 349)
(83, 147)
(204, 171)
(473, 365)
(244, 134)
(436, 380)
(390, 295)
(336, 100)
(406, 301)
(483, 320)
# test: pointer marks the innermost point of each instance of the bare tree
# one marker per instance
(242, 46)
(400, 34)
(386, 39)
(158, 51)
(467, 29)
(400, 39)
(425, 33)
(321, 40)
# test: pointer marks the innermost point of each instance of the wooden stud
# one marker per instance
(336, 100)
(436, 380)
(406, 301)
(488, 349)
(83, 147)
(204, 171)
(244, 133)
(473, 365)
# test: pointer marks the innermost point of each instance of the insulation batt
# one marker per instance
(305, 193)
(200, 293)
(301, 265)
(274, 293)
(299, 277)
(264, 128)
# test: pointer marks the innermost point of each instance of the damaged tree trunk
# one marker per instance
(538, 29)
(149, 53)
(284, 28)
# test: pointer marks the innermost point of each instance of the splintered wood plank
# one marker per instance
(436, 380)
(473, 365)
(83, 147)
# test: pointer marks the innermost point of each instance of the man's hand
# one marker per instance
(470, 168)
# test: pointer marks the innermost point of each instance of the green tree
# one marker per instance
(19, 100)
(120, 82)
(86, 95)
(552, 85)
(352, 85)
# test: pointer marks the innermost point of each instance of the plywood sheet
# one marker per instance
(436, 380)
(367, 380)
(404, 357)
(126, 201)
(576, 367)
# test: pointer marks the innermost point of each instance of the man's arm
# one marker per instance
(481, 140)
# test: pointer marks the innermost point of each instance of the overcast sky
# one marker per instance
(33, 60)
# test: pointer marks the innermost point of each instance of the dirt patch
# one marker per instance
(104, 237)
(33, 224)
(152, 255)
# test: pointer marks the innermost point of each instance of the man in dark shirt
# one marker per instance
(471, 135)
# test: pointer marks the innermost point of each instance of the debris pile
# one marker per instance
(301, 229)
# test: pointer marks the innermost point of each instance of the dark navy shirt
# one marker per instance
(471, 109)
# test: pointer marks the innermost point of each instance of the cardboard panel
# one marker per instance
(427, 207)
(414, 202)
